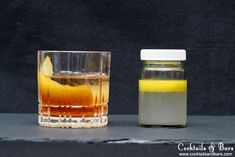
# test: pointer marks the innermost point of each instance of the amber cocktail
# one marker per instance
(73, 88)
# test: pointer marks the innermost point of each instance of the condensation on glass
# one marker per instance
(73, 88)
(162, 88)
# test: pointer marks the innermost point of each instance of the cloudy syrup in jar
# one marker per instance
(162, 88)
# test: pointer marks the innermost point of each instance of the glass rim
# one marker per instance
(71, 51)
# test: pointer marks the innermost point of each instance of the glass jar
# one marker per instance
(163, 88)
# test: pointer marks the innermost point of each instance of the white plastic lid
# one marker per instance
(163, 54)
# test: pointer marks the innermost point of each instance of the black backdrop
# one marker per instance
(205, 28)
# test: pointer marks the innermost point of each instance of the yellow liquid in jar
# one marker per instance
(162, 85)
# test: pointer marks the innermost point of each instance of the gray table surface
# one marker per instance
(121, 129)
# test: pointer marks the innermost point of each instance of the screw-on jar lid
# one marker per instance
(163, 54)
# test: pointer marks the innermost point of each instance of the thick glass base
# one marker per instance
(67, 122)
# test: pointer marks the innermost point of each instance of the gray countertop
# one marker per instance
(121, 129)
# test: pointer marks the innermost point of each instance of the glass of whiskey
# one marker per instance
(73, 88)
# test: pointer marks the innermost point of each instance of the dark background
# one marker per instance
(205, 28)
